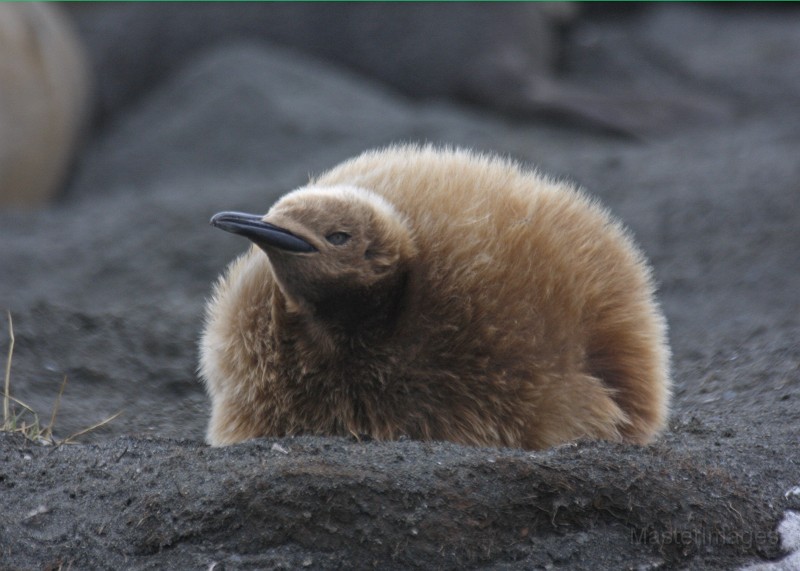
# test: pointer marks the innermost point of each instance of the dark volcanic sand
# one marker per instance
(108, 287)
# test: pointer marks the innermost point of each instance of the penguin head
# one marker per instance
(339, 249)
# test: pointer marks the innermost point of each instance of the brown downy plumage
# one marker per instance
(437, 294)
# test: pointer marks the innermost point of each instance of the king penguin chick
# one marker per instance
(440, 295)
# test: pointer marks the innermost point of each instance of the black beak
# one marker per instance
(262, 234)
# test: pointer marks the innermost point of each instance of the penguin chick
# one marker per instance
(441, 295)
(45, 101)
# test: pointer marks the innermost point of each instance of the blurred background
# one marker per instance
(70, 72)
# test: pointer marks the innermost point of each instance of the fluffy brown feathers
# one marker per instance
(437, 294)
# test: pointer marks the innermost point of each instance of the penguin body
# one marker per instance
(440, 295)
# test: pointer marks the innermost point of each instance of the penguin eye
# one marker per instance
(338, 238)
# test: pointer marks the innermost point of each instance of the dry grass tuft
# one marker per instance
(26, 421)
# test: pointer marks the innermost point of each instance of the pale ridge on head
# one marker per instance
(345, 193)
